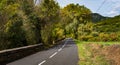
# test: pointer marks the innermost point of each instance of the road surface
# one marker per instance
(64, 54)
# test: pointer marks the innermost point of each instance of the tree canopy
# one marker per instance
(22, 22)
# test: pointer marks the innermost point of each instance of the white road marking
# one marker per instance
(65, 44)
(42, 62)
(60, 49)
(53, 55)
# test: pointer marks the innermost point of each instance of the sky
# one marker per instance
(110, 8)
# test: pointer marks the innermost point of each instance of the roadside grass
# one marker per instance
(91, 55)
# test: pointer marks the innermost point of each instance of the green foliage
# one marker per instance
(15, 33)
(27, 6)
(90, 53)
(58, 33)
(32, 27)
(108, 29)
(18, 26)
(73, 16)
(105, 30)
(97, 17)
(49, 10)
(3, 41)
(7, 11)
(24, 23)
(49, 14)
(109, 25)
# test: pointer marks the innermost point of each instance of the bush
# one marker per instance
(103, 37)
(108, 37)
(86, 38)
(3, 41)
(15, 33)
(114, 37)
(95, 36)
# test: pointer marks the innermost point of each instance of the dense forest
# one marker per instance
(22, 23)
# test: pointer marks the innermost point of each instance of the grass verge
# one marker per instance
(95, 53)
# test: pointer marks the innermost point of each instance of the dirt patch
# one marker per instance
(111, 53)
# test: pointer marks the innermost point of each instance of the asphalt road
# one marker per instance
(64, 54)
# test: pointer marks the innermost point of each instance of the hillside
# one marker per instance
(97, 17)
(109, 25)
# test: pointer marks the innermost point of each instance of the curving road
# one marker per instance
(64, 54)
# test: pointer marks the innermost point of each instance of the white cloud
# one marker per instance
(113, 13)
(114, 0)
(115, 10)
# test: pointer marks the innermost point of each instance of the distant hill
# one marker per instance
(109, 25)
(97, 17)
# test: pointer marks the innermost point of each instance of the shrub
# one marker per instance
(103, 37)
(86, 38)
(113, 37)
(3, 41)
(15, 33)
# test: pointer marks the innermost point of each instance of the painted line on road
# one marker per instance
(62, 46)
(53, 55)
(65, 44)
(42, 62)
(60, 49)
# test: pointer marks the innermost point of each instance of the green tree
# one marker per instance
(73, 15)
(13, 24)
(15, 33)
(32, 23)
(49, 14)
